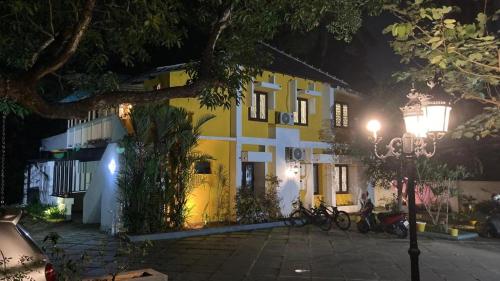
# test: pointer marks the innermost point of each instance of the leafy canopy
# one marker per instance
(43, 57)
(430, 37)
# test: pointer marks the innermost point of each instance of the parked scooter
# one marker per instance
(395, 223)
(491, 228)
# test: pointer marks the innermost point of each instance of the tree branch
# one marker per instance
(29, 98)
(208, 54)
(63, 48)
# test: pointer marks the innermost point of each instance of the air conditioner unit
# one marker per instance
(284, 118)
(296, 154)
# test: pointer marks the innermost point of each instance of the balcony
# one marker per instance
(105, 129)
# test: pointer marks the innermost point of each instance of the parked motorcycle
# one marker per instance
(395, 223)
(491, 227)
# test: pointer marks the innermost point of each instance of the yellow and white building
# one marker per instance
(276, 130)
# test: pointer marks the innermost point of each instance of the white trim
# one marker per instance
(217, 138)
(265, 141)
(257, 141)
(314, 144)
(254, 156)
(309, 93)
(266, 86)
(322, 158)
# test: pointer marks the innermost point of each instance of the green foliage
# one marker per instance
(21, 271)
(440, 179)
(128, 33)
(258, 208)
(46, 212)
(69, 267)
(223, 205)
(8, 107)
(271, 201)
(248, 207)
(428, 37)
(158, 168)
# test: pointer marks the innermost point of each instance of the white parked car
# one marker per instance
(20, 257)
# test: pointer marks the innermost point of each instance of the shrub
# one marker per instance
(251, 208)
(271, 201)
(45, 212)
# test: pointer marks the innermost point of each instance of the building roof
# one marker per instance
(288, 64)
(281, 63)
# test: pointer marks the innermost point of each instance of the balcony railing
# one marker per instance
(100, 129)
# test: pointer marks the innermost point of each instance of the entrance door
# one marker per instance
(247, 179)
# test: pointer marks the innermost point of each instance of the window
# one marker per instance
(342, 175)
(316, 178)
(247, 177)
(258, 110)
(341, 115)
(202, 167)
(300, 117)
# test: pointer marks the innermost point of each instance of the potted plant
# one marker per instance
(421, 226)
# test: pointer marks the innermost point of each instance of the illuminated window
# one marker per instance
(258, 110)
(342, 175)
(124, 110)
(300, 117)
(341, 113)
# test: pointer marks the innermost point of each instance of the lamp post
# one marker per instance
(426, 120)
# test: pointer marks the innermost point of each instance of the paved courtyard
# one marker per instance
(298, 254)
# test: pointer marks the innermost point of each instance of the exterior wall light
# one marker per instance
(112, 166)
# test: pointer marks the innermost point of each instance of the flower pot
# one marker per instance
(454, 232)
(421, 226)
(473, 222)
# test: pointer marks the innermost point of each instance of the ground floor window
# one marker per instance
(247, 178)
(316, 178)
(342, 175)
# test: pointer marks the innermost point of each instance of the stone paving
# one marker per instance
(301, 254)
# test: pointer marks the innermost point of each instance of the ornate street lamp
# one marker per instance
(426, 120)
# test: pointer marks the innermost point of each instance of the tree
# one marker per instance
(50, 48)
(158, 163)
(430, 37)
(436, 183)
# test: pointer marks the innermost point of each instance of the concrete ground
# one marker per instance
(294, 254)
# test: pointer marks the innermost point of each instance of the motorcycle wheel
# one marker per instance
(485, 230)
(363, 227)
(342, 220)
(400, 230)
(296, 218)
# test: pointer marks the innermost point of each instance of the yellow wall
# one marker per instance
(202, 202)
(262, 129)
(344, 199)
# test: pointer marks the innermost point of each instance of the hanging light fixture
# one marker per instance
(436, 109)
(413, 115)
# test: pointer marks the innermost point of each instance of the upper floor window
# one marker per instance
(341, 115)
(258, 110)
(300, 117)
